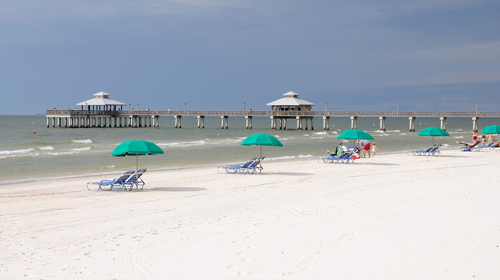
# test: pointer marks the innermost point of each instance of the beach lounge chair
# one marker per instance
(469, 148)
(348, 157)
(253, 167)
(236, 167)
(135, 180)
(419, 152)
(434, 151)
(345, 157)
(328, 159)
(487, 146)
(115, 184)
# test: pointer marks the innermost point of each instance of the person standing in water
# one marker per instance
(373, 149)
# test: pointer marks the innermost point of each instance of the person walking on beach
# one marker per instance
(373, 150)
(365, 146)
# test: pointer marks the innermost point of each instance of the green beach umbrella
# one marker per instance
(492, 129)
(136, 148)
(261, 139)
(433, 132)
(355, 134)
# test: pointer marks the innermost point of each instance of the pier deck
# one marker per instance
(418, 114)
(125, 118)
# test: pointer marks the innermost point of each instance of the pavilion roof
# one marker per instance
(290, 99)
(101, 99)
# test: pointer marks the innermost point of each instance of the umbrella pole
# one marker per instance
(136, 169)
(260, 162)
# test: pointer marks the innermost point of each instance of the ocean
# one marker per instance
(74, 152)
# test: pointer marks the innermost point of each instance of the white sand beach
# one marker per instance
(389, 217)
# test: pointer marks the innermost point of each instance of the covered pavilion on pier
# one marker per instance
(101, 101)
(290, 103)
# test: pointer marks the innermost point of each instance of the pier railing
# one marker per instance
(123, 113)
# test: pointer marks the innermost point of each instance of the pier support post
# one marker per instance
(306, 120)
(474, 124)
(201, 121)
(273, 122)
(177, 119)
(412, 123)
(248, 122)
(443, 123)
(312, 125)
(382, 123)
(224, 122)
(354, 122)
(326, 122)
(299, 122)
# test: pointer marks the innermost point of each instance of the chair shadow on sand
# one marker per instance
(290, 173)
(175, 189)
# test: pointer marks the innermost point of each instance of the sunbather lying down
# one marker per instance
(470, 145)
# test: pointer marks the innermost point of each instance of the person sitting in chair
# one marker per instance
(475, 141)
(338, 150)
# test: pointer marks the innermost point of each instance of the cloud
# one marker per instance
(460, 78)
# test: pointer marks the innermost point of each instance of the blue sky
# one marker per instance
(219, 54)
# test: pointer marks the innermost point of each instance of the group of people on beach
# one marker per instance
(490, 139)
(361, 146)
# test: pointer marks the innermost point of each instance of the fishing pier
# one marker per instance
(102, 111)
(278, 120)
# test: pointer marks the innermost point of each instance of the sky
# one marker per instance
(233, 54)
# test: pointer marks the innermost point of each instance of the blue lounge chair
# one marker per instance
(135, 180)
(419, 152)
(333, 158)
(236, 167)
(348, 157)
(327, 159)
(115, 184)
(487, 146)
(469, 148)
(434, 151)
(254, 166)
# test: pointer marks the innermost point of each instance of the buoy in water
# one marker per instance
(100, 128)
(34, 132)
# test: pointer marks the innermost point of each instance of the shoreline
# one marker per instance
(165, 168)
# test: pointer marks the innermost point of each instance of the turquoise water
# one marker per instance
(66, 152)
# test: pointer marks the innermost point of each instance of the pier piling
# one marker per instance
(177, 119)
(201, 121)
(326, 122)
(354, 122)
(443, 123)
(382, 123)
(224, 122)
(412, 124)
(474, 124)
